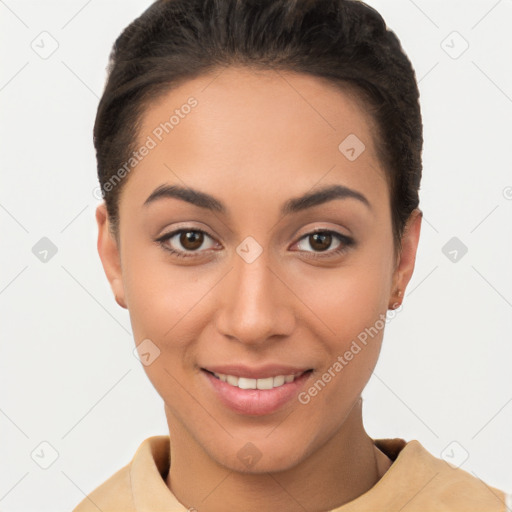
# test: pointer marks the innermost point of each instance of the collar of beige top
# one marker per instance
(416, 479)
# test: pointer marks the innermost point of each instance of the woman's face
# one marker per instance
(251, 291)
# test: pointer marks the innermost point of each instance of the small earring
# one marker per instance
(396, 305)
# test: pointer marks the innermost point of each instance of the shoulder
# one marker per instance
(113, 495)
(426, 482)
(137, 482)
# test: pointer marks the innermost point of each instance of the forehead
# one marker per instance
(257, 127)
(241, 98)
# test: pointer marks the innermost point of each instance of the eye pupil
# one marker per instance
(195, 237)
(323, 238)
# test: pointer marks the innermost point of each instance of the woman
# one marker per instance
(260, 164)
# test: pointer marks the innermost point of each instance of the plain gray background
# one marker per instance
(69, 378)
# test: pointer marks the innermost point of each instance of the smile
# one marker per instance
(248, 383)
(255, 391)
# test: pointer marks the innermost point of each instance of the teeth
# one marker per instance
(265, 383)
(246, 383)
(232, 380)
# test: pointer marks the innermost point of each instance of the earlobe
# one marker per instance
(119, 299)
(108, 251)
(407, 258)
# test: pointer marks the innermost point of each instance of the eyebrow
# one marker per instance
(294, 205)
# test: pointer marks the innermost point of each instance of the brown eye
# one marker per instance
(320, 241)
(191, 240)
(186, 242)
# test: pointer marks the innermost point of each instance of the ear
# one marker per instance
(109, 255)
(407, 258)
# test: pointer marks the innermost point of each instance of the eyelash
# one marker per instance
(346, 243)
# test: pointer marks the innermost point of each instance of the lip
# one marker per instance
(252, 372)
(255, 402)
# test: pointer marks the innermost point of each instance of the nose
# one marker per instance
(255, 303)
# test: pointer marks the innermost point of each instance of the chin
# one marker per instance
(260, 454)
(251, 460)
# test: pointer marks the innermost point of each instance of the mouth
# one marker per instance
(263, 383)
(255, 392)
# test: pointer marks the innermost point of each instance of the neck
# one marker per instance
(345, 467)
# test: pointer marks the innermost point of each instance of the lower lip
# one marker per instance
(256, 402)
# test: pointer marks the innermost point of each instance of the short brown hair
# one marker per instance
(344, 41)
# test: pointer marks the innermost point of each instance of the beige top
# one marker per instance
(416, 481)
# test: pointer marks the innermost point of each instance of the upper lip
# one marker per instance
(256, 372)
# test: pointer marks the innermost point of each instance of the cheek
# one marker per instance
(164, 308)
(159, 294)
(346, 300)
(168, 305)
(349, 306)
(356, 326)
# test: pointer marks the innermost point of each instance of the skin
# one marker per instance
(255, 140)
